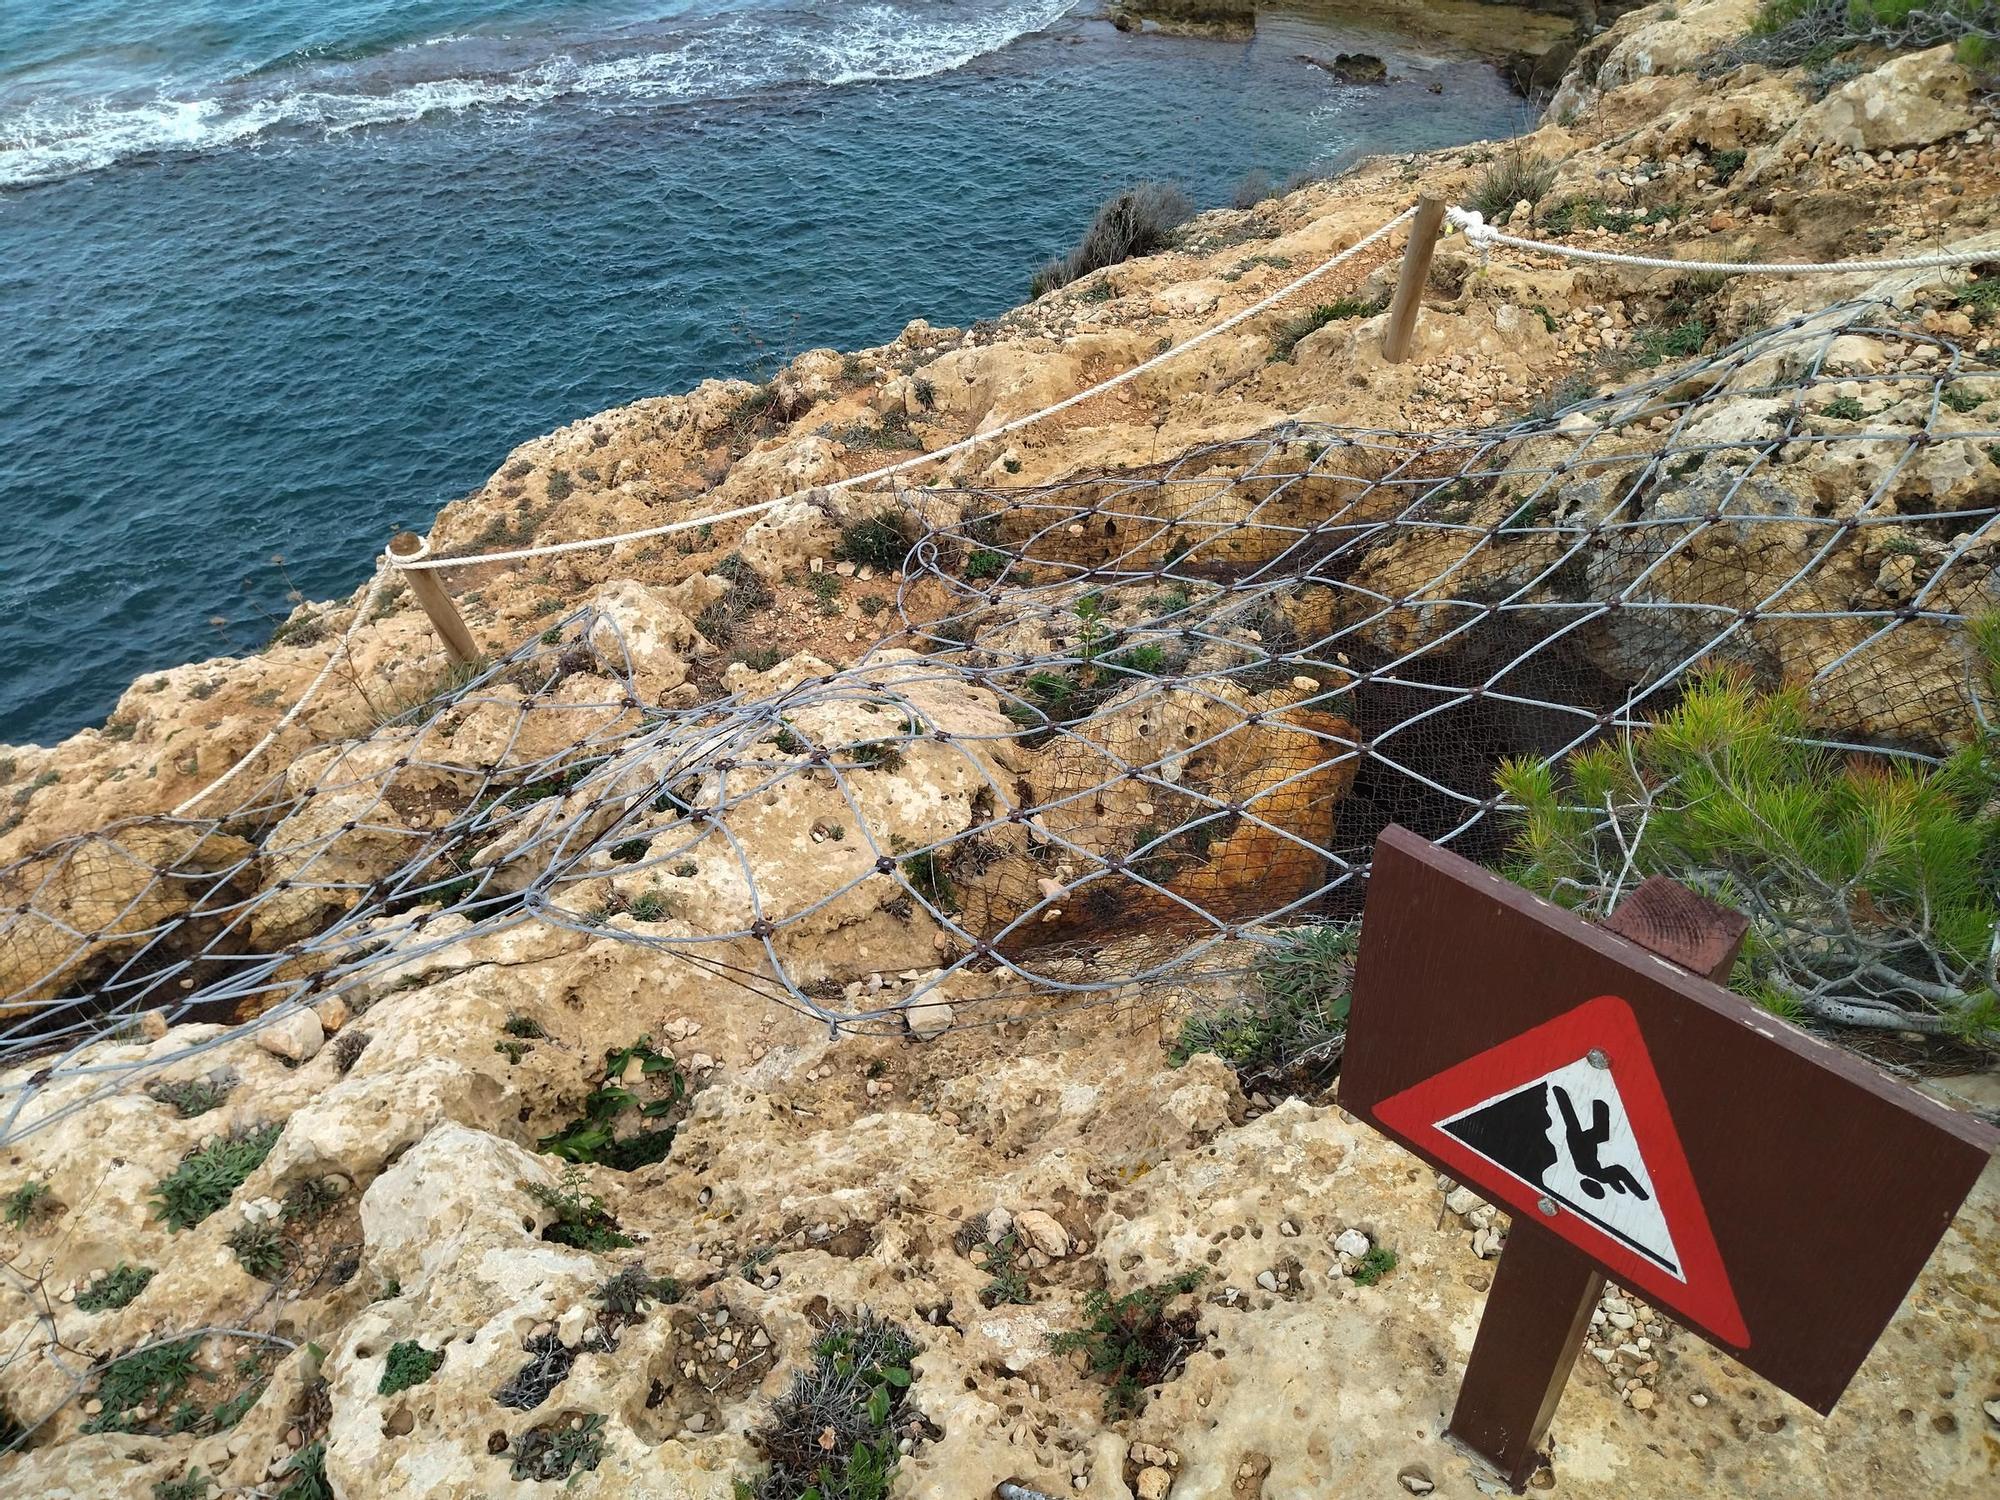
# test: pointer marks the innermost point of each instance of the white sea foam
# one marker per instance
(739, 56)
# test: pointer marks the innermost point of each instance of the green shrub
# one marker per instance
(1289, 1037)
(259, 1250)
(1372, 1267)
(1868, 883)
(1008, 1281)
(1295, 330)
(116, 1289)
(623, 1293)
(1682, 340)
(984, 562)
(408, 1363)
(24, 1204)
(1139, 221)
(832, 1436)
(1724, 165)
(307, 1471)
(150, 1376)
(881, 542)
(1518, 176)
(209, 1175)
(1132, 1342)
(556, 1450)
(194, 1485)
(593, 1136)
(190, 1097)
(1844, 408)
(580, 1217)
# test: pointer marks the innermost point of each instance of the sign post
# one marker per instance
(1637, 1121)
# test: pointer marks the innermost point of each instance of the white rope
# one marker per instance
(1483, 237)
(340, 648)
(552, 549)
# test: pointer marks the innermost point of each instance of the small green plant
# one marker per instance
(259, 1250)
(526, 1027)
(558, 1450)
(193, 1485)
(309, 1200)
(881, 542)
(832, 1435)
(115, 1289)
(305, 1475)
(408, 1363)
(1009, 1281)
(1295, 330)
(650, 906)
(593, 1135)
(623, 1293)
(1372, 1267)
(1289, 1036)
(1517, 177)
(208, 1176)
(1724, 165)
(152, 1376)
(825, 589)
(1979, 298)
(25, 1203)
(580, 1217)
(1844, 409)
(1962, 398)
(1132, 1342)
(1682, 340)
(871, 605)
(984, 562)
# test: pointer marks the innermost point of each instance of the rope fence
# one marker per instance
(1114, 730)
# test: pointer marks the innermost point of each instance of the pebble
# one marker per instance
(1462, 1200)
(1268, 1280)
(1154, 1484)
(1699, 1399)
(1640, 1397)
(92, 1407)
(1351, 1242)
(1288, 1229)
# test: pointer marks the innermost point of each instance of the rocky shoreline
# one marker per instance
(348, 1230)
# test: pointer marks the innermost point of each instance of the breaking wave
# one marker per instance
(728, 57)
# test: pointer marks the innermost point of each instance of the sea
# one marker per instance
(280, 276)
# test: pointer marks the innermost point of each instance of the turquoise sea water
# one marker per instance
(277, 275)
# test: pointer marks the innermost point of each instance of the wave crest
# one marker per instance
(735, 57)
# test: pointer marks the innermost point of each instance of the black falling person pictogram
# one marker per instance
(1583, 1146)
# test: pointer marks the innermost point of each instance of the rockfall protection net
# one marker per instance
(1112, 724)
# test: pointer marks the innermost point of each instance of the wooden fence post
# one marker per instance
(430, 592)
(1410, 285)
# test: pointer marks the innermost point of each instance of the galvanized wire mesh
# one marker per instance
(1114, 725)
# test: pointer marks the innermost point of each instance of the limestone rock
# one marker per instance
(1043, 1232)
(296, 1036)
(1908, 101)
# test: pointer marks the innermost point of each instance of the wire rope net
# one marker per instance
(1115, 728)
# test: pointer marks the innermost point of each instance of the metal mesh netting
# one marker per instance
(1114, 725)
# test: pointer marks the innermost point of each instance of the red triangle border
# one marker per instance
(1706, 1298)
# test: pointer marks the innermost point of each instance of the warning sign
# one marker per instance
(1567, 1135)
(1567, 1122)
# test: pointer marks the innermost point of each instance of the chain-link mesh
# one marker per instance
(1113, 726)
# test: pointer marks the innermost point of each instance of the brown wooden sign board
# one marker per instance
(1638, 1121)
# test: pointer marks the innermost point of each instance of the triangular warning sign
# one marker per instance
(1566, 1124)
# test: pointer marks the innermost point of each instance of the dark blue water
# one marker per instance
(276, 277)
